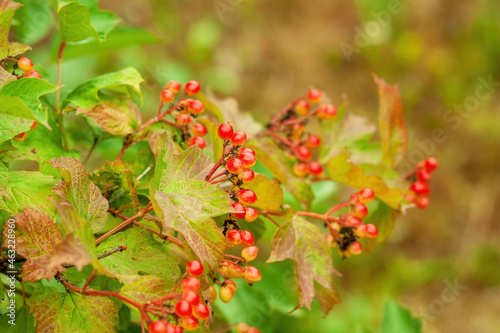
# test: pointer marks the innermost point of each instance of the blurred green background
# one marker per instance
(264, 53)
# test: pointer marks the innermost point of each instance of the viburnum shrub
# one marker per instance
(167, 222)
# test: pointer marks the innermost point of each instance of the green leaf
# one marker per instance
(15, 117)
(217, 142)
(79, 192)
(392, 128)
(384, 217)
(341, 170)
(29, 91)
(306, 245)
(268, 191)
(35, 20)
(74, 22)
(144, 255)
(37, 237)
(398, 319)
(23, 323)
(147, 288)
(6, 77)
(57, 312)
(7, 9)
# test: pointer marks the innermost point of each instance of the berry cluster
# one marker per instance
(186, 110)
(420, 186)
(346, 230)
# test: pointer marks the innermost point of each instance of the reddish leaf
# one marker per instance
(37, 237)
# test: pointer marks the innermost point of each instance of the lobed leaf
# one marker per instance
(7, 10)
(15, 118)
(146, 288)
(24, 322)
(268, 191)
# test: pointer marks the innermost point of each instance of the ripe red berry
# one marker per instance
(354, 198)
(303, 153)
(301, 107)
(313, 141)
(314, 96)
(20, 137)
(247, 150)
(246, 176)
(191, 297)
(250, 253)
(233, 237)
(241, 211)
(183, 119)
(431, 164)
(315, 169)
(352, 221)
(226, 293)
(34, 125)
(234, 271)
(195, 106)
(239, 138)
(247, 197)
(199, 129)
(157, 327)
(247, 238)
(190, 283)
(197, 140)
(189, 323)
(252, 275)
(166, 96)
(225, 131)
(32, 73)
(248, 160)
(424, 175)
(201, 311)
(183, 309)
(366, 195)
(194, 268)
(234, 165)
(420, 188)
(300, 169)
(371, 231)
(326, 112)
(172, 328)
(253, 330)
(25, 64)
(360, 231)
(360, 210)
(173, 86)
(192, 88)
(251, 214)
(355, 248)
(422, 201)
(177, 329)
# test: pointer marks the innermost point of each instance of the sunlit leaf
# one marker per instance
(398, 319)
(268, 191)
(15, 117)
(7, 10)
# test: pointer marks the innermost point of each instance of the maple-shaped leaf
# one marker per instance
(57, 312)
(15, 117)
(187, 204)
(37, 237)
(7, 10)
(24, 322)
(392, 128)
(78, 191)
(143, 256)
(341, 170)
(146, 288)
(268, 191)
(306, 245)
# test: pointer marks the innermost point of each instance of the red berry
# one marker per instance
(241, 211)
(326, 112)
(247, 150)
(173, 86)
(301, 107)
(371, 231)
(422, 201)
(313, 141)
(166, 96)
(420, 165)
(252, 275)
(253, 330)
(233, 236)
(183, 309)
(195, 106)
(20, 137)
(247, 197)
(314, 96)
(194, 268)
(190, 323)
(250, 253)
(246, 175)
(303, 153)
(330, 240)
(191, 297)
(352, 221)
(201, 311)
(315, 169)
(354, 198)
(360, 210)
(247, 238)
(424, 175)
(360, 231)
(300, 169)
(232, 285)
(183, 119)
(34, 125)
(234, 165)
(242, 328)
(366, 195)
(190, 283)
(234, 271)
(420, 188)
(25, 64)
(239, 138)
(225, 131)
(192, 88)
(226, 293)
(32, 73)
(248, 160)
(157, 327)
(199, 129)
(251, 214)
(431, 164)
(197, 140)
(355, 248)
(173, 329)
